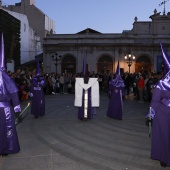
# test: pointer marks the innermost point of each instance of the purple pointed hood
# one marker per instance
(164, 83)
(84, 67)
(117, 81)
(38, 79)
(118, 69)
(166, 59)
(37, 68)
(2, 59)
(7, 84)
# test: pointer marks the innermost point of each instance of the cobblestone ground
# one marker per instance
(59, 141)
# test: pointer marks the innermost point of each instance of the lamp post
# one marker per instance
(56, 58)
(129, 58)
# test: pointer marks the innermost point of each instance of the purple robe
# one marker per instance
(9, 101)
(116, 91)
(38, 99)
(160, 148)
(9, 143)
(115, 107)
(90, 110)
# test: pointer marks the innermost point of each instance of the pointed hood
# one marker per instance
(38, 68)
(7, 84)
(2, 59)
(118, 69)
(84, 67)
(117, 81)
(164, 83)
(38, 78)
(166, 59)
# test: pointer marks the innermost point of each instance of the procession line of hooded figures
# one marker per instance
(86, 99)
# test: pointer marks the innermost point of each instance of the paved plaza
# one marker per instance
(59, 141)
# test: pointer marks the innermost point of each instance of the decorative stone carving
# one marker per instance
(155, 11)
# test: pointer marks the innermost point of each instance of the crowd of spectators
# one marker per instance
(138, 84)
(141, 84)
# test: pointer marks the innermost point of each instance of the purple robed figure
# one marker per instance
(90, 114)
(160, 114)
(9, 104)
(86, 111)
(37, 94)
(116, 91)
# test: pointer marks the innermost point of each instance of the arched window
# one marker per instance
(68, 64)
(105, 64)
(143, 64)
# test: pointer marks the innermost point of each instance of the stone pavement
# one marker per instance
(59, 141)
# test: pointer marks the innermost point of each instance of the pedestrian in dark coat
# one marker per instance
(128, 82)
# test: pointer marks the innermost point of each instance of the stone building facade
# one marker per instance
(102, 51)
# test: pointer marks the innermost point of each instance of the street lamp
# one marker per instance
(129, 58)
(56, 58)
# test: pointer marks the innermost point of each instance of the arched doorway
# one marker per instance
(68, 64)
(105, 64)
(143, 64)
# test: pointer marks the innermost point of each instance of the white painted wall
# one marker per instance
(30, 41)
(24, 35)
(34, 44)
(49, 24)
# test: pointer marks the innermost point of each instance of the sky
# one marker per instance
(105, 16)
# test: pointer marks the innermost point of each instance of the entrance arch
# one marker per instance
(105, 64)
(143, 64)
(68, 64)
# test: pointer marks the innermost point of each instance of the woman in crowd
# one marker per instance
(141, 87)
